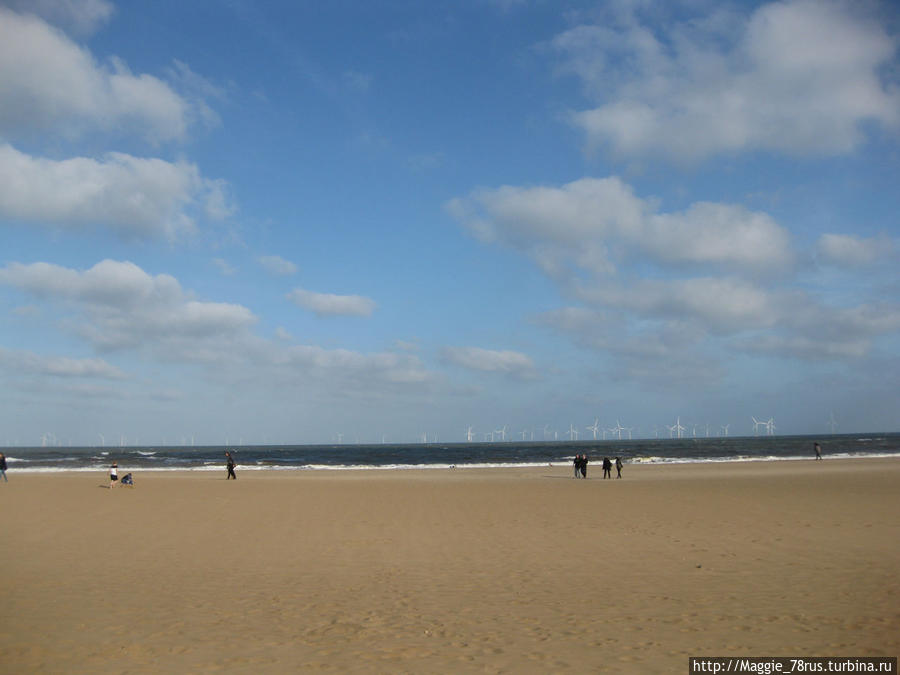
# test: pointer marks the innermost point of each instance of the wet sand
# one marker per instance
(449, 571)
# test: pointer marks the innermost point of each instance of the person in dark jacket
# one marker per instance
(229, 465)
(607, 468)
(584, 463)
(618, 467)
(3, 467)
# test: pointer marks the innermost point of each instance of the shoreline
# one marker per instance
(595, 464)
(466, 570)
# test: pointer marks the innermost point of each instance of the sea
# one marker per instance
(496, 455)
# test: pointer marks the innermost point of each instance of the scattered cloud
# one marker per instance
(383, 367)
(849, 251)
(802, 77)
(503, 362)
(718, 304)
(407, 345)
(277, 265)
(132, 196)
(327, 304)
(117, 305)
(82, 17)
(223, 267)
(57, 366)
(588, 223)
(50, 84)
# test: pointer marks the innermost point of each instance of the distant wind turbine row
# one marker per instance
(676, 430)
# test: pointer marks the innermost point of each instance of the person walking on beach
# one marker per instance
(618, 467)
(607, 468)
(230, 466)
(113, 474)
(584, 463)
(818, 449)
(3, 467)
(576, 463)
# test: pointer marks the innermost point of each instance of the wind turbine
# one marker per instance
(617, 430)
(832, 423)
(502, 432)
(725, 429)
(756, 425)
(469, 435)
(595, 428)
(770, 427)
(102, 440)
(572, 433)
(676, 428)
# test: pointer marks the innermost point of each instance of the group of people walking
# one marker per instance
(581, 461)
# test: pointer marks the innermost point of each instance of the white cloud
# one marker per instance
(725, 305)
(385, 367)
(849, 251)
(118, 305)
(662, 352)
(223, 267)
(275, 264)
(721, 234)
(79, 16)
(578, 223)
(57, 366)
(327, 304)
(132, 196)
(504, 362)
(801, 77)
(49, 83)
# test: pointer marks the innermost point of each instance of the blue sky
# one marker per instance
(293, 222)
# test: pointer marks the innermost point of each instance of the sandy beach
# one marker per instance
(448, 571)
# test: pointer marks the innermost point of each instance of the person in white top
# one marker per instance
(113, 474)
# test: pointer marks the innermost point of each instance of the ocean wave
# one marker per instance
(211, 466)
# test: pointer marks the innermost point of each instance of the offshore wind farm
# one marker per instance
(419, 274)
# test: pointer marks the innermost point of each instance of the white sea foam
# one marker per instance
(211, 466)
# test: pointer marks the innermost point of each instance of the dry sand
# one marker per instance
(449, 571)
